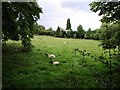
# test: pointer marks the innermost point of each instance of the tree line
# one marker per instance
(97, 34)
(65, 33)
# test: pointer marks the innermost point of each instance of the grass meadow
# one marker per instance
(33, 70)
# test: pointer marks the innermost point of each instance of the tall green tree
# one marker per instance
(18, 20)
(97, 34)
(50, 31)
(107, 37)
(68, 25)
(57, 33)
(80, 32)
(38, 29)
(41, 27)
(89, 33)
(110, 36)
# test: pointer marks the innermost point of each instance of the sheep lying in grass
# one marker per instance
(51, 55)
(65, 42)
(1, 40)
(55, 62)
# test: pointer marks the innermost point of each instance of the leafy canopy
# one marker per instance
(111, 16)
(18, 21)
(109, 10)
(80, 32)
(57, 34)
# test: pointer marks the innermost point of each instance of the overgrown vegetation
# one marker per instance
(110, 36)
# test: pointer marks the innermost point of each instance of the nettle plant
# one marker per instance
(106, 59)
(84, 53)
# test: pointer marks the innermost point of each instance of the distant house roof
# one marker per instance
(66, 30)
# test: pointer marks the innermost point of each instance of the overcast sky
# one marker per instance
(56, 13)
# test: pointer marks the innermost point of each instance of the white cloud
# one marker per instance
(54, 14)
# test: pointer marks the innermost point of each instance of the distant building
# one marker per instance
(66, 30)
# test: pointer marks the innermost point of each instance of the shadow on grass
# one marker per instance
(11, 48)
(16, 65)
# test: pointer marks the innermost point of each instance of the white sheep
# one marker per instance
(2, 40)
(65, 42)
(55, 62)
(51, 55)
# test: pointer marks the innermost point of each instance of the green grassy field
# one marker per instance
(33, 70)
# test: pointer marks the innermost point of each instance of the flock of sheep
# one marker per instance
(53, 56)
